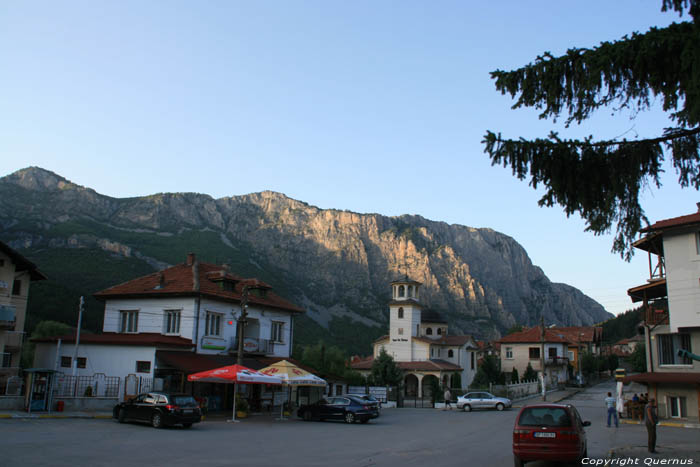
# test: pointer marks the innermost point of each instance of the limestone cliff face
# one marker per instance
(339, 262)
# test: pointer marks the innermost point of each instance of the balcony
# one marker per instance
(556, 361)
(12, 339)
(655, 315)
(253, 345)
(7, 317)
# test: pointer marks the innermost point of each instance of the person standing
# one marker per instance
(610, 403)
(448, 397)
(651, 419)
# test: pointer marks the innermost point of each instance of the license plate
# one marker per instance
(540, 434)
(187, 411)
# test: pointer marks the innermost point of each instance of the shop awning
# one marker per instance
(660, 378)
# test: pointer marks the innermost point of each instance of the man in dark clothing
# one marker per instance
(651, 419)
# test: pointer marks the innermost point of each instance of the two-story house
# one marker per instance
(178, 321)
(16, 275)
(420, 344)
(671, 305)
(525, 347)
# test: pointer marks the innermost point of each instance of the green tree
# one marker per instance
(530, 374)
(514, 328)
(385, 372)
(638, 358)
(42, 329)
(602, 180)
(514, 377)
(589, 364)
(488, 372)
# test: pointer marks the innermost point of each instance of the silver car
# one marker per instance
(482, 400)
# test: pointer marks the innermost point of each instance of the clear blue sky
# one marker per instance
(370, 106)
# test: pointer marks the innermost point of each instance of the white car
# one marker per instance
(482, 400)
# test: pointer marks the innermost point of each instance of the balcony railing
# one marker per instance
(654, 316)
(253, 345)
(556, 361)
(12, 339)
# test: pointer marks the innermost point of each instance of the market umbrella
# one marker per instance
(292, 375)
(234, 374)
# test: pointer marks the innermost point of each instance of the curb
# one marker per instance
(672, 424)
(48, 416)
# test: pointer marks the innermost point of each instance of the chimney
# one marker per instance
(161, 280)
(190, 259)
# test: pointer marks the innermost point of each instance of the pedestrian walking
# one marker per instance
(448, 397)
(651, 419)
(610, 403)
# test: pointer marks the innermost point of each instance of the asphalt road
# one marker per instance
(403, 437)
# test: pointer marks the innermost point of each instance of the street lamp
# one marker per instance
(580, 374)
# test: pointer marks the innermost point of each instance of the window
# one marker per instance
(552, 352)
(509, 352)
(472, 358)
(128, 321)
(6, 360)
(401, 291)
(82, 362)
(534, 353)
(439, 331)
(400, 331)
(450, 353)
(429, 332)
(400, 313)
(213, 324)
(143, 367)
(697, 243)
(571, 355)
(677, 407)
(172, 321)
(439, 352)
(17, 287)
(66, 362)
(276, 334)
(669, 344)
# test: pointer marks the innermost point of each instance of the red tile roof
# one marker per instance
(532, 335)
(113, 338)
(423, 365)
(179, 280)
(673, 222)
(659, 377)
(577, 334)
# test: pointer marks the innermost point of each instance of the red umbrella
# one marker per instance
(233, 374)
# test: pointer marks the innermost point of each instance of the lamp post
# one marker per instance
(580, 374)
(544, 384)
(241, 323)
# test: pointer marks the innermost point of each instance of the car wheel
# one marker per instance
(517, 462)
(500, 406)
(187, 425)
(467, 408)
(121, 416)
(157, 420)
(349, 417)
(307, 416)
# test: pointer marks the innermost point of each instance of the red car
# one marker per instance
(552, 432)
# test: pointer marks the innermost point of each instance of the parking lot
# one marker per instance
(399, 437)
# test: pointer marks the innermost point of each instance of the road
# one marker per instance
(403, 437)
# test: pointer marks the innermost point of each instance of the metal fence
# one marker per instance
(97, 385)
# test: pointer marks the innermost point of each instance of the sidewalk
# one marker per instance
(15, 414)
(552, 397)
(681, 453)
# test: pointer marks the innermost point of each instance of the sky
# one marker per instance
(370, 106)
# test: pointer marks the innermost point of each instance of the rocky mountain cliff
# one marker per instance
(336, 264)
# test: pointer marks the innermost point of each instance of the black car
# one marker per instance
(370, 400)
(347, 408)
(159, 409)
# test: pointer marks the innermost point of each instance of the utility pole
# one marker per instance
(242, 322)
(544, 384)
(77, 337)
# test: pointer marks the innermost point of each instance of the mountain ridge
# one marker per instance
(336, 263)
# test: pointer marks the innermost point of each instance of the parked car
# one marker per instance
(482, 400)
(348, 408)
(159, 409)
(553, 432)
(370, 400)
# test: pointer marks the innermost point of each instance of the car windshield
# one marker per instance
(184, 401)
(544, 416)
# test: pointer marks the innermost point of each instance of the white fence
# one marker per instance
(379, 392)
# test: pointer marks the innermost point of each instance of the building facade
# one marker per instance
(420, 344)
(536, 348)
(16, 275)
(671, 305)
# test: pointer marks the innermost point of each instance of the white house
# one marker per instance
(420, 344)
(523, 348)
(671, 303)
(161, 327)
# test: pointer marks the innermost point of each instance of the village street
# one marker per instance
(398, 437)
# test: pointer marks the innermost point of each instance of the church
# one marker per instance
(421, 345)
